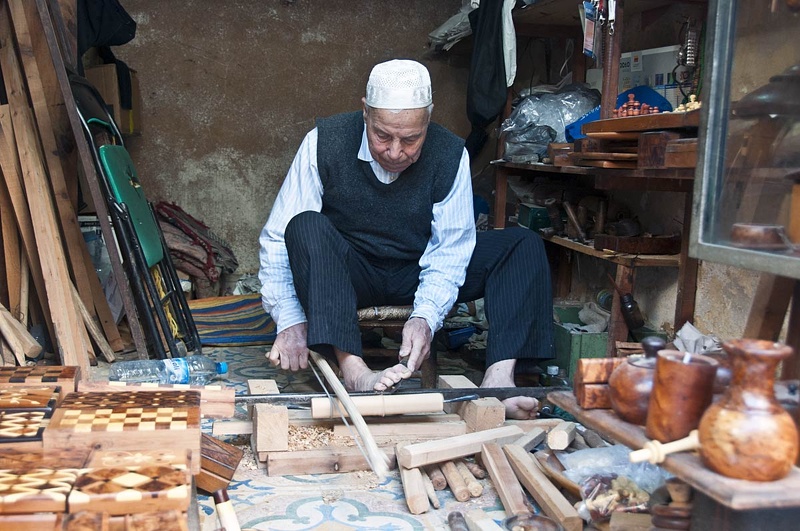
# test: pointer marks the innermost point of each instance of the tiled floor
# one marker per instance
(346, 501)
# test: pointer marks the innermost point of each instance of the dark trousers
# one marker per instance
(508, 269)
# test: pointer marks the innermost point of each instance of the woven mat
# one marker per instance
(239, 320)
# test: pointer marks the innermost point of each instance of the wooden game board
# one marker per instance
(216, 401)
(125, 490)
(64, 376)
(108, 458)
(23, 428)
(36, 490)
(39, 397)
(128, 421)
(14, 458)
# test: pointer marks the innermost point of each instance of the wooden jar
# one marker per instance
(631, 383)
(747, 434)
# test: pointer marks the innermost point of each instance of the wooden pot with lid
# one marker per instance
(631, 383)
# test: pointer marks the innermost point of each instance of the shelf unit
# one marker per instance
(736, 494)
(560, 19)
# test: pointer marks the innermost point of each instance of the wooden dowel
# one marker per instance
(377, 459)
(476, 469)
(381, 405)
(475, 488)
(436, 476)
(455, 481)
(655, 452)
(429, 490)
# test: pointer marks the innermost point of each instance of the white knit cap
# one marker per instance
(399, 84)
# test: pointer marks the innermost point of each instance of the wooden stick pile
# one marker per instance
(41, 240)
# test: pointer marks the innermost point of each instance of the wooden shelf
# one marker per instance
(736, 494)
(663, 180)
(649, 122)
(624, 259)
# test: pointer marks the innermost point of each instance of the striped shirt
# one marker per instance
(443, 263)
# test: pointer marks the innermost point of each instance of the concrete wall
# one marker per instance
(231, 88)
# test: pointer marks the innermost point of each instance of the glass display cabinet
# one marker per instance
(746, 210)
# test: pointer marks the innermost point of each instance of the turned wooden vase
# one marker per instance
(747, 434)
(631, 382)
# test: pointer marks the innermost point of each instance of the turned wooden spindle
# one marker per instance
(655, 452)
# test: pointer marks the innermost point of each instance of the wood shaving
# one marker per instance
(309, 437)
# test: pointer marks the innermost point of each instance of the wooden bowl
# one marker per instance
(759, 236)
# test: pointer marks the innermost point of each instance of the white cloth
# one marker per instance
(443, 262)
(399, 84)
(509, 42)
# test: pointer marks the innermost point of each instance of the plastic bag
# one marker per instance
(553, 109)
(604, 494)
(529, 145)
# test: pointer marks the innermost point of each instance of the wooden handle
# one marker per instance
(381, 405)
(655, 452)
(377, 459)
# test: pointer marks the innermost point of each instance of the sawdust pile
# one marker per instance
(309, 437)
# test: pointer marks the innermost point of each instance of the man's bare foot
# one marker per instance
(501, 374)
(359, 377)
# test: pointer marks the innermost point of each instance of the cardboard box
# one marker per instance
(104, 78)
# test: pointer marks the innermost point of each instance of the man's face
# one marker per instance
(395, 138)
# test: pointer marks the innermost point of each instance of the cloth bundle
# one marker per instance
(194, 248)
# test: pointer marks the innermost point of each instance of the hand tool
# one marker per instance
(450, 395)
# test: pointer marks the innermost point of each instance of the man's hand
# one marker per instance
(290, 349)
(416, 342)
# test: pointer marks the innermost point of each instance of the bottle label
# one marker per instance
(177, 370)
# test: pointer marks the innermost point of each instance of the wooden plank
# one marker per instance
(612, 164)
(681, 153)
(329, 460)
(10, 255)
(648, 122)
(547, 496)
(653, 148)
(532, 439)
(12, 177)
(270, 428)
(86, 164)
(611, 156)
(613, 136)
(38, 69)
(410, 429)
(94, 330)
(70, 335)
(260, 387)
(216, 401)
(733, 493)
(505, 481)
(687, 273)
(478, 520)
(449, 448)
(617, 328)
(414, 490)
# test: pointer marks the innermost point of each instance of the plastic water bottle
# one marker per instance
(195, 370)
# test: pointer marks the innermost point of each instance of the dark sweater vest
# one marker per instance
(385, 221)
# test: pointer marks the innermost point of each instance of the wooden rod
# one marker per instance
(455, 481)
(429, 489)
(381, 405)
(437, 478)
(377, 459)
(475, 488)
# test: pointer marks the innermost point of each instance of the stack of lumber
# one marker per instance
(86, 458)
(46, 273)
(655, 141)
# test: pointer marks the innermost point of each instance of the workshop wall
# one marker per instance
(229, 90)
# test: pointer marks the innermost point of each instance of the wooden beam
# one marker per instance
(10, 253)
(478, 520)
(94, 330)
(547, 496)
(328, 460)
(270, 428)
(38, 67)
(441, 450)
(531, 440)
(86, 165)
(505, 481)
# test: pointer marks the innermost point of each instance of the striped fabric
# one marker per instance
(232, 321)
